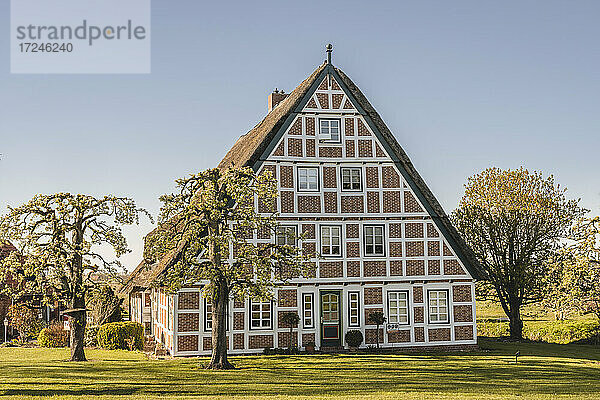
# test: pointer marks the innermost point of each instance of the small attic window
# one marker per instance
(329, 129)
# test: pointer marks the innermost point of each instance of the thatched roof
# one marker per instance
(252, 148)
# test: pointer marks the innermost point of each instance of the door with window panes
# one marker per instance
(331, 318)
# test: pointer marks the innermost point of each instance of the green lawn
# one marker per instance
(544, 371)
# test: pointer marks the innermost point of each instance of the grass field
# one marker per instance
(544, 371)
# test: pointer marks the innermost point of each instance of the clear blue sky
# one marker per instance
(463, 85)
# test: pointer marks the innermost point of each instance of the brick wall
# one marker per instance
(287, 176)
(294, 147)
(352, 249)
(353, 268)
(330, 200)
(188, 301)
(287, 298)
(415, 267)
(238, 321)
(372, 178)
(283, 338)
(331, 269)
(391, 202)
(371, 335)
(188, 322)
(373, 295)
(330, 152)
(452, 267)
(390, 177)
(463, 313)
(373, 202)
(402, 336)
(365, 148)
(309, 204)
(438, 334)
(238, 341)
(353, 204)
(418, 294)
(419, 334)
(419, 316)
(374, 268)
(410, 203)
(260, 341)
(187, 343)
(463, 332)
(461, 293)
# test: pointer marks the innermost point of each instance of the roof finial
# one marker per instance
(329, 50)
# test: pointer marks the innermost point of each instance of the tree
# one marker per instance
(582, 266)
(213, 212)
(59, 238)
(377, 318)
(290, 319)
(26, 319)
(513, 220)
(104, 305)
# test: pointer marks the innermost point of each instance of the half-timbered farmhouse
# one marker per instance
(384, 242)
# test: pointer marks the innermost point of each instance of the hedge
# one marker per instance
(113, 335)
(53, 336)
(561, 332)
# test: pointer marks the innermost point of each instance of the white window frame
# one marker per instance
(328, 128)
(327, 239)
(263, 322)
(438, 307)
(308, 313)
(308, 179)
(208, 321)
(373, 237)
(286, 235)
(353, 309)
(351, 179)
(396, 312)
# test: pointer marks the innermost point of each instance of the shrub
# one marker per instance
(354, 338)
(561, 332)
(91, 336)
(26, 320)
(113, 335)
(53, 336)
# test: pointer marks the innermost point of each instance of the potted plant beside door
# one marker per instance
(354, 338)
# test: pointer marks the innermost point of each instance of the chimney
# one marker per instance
(275, 98)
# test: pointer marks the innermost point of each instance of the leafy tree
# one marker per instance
(582, 267)
(513, 220)
(26, 319)
(290, 319)
(212, 213)
(377, 318)
(59, 238)
(104, 305)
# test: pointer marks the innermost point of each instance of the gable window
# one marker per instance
(353, 309)
(260, 314)
(438, 306)
(285, 235)
(331, 241)
(308, 310)
(398, 307)
(308, 179)
(351, 179)
(329, 130)
(374, 243)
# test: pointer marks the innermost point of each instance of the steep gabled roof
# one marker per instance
(255, 146)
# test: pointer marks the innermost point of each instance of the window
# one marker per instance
(260, 315)
(438, 306)
(351, 179)
(208, 316)
(374, 241)
(329, 129)
(308, 179)
(353, 309)
(285, 235)
(398, 307)
(330, 241)
(308, 320)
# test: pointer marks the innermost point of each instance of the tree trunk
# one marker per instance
(377, 336)
(515, 323)
(291, 334)
(219, 327)
(77, 323)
